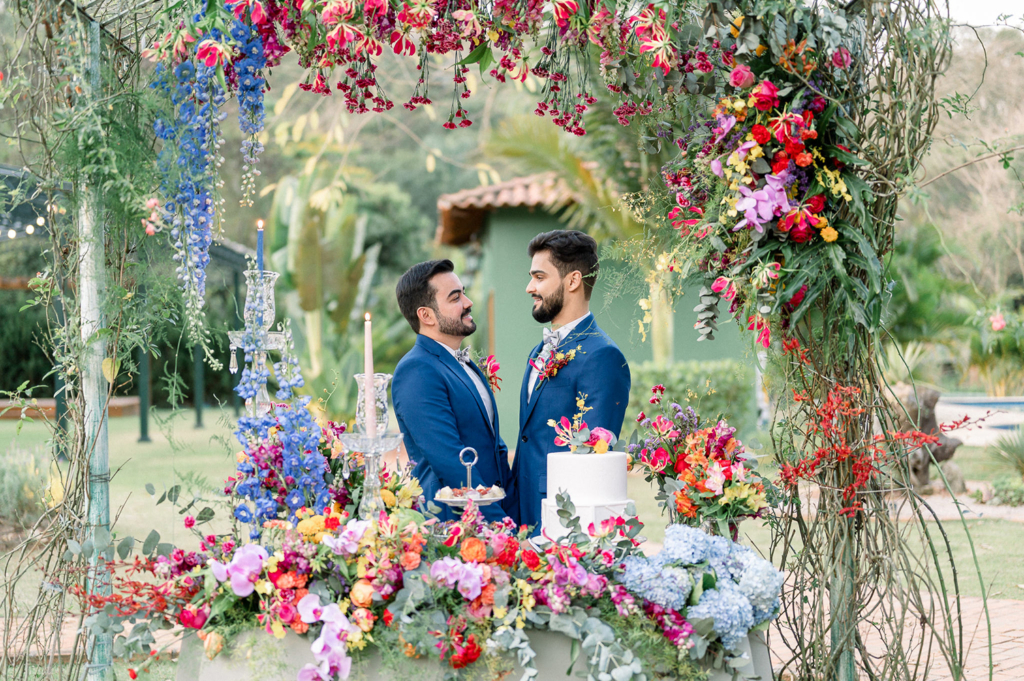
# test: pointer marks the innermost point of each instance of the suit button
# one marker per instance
(524, 438)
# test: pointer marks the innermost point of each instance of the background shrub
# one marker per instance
(1008, 491)
(23, 483)
(722, 388)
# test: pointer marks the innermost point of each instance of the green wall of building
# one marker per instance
(504, 275)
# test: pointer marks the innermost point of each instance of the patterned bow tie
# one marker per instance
(550, 338)
(463, 355)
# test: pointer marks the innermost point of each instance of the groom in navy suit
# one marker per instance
(562, 275)
(442, 399)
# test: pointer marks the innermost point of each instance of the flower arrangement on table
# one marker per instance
(703, 473)
(464, 592)
(580, 438)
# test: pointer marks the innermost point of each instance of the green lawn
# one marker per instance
(977, 463)
(161, 670)
(208, 452)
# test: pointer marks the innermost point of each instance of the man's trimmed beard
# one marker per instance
(455, 327)
(550, 306)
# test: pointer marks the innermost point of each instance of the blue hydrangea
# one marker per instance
(669, 587)
(684, 545)
(729, 608)
(761, 583)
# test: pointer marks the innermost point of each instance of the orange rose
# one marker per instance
(298, 626)
(299, 595)
(410, 560)
(487, 595)
(473, 550)
(364, 619)
(290, 580)
(362, 594)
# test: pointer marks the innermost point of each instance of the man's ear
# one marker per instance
(575, 281)
(427, 317)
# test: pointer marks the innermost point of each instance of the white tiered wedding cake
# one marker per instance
(595, 483)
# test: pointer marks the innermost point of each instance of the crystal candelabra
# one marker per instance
(259, 313)
(371, 503)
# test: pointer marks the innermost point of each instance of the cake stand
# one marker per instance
(462, 502)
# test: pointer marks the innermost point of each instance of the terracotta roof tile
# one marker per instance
(462, 214)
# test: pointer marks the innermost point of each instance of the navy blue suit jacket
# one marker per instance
(600, 371)
(439, 412)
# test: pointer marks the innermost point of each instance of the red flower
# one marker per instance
(804, 159)
(816, 203)
(793, 148)
(132, 674)
(531, 559)
(765, 96)
(401, 44)
(780, 162)
(761, 134)
(332, 522)
(801, 233)
(388, 617)
(465, 655)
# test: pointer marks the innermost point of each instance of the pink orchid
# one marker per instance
(243, 570)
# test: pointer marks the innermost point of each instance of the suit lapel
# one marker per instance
(579, 332)
(452, 364)
(525, 403)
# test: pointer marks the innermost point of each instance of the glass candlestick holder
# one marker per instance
(372, 448)
(380, 401)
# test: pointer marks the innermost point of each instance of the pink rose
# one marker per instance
(997, 321)
(766, 96)
(741, 77)
(841, 58)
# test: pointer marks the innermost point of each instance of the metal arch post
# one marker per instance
(95, 389)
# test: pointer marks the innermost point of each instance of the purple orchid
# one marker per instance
(471, 581)
(347, 543)
(446, 571)
(725, 124)
(761, 205)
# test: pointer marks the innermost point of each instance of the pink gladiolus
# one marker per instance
(564, 9)
(841, 58)
(212, 53)
(401, 44)
(724, 286)
(374, 8)
(997, 321)
(742, 77)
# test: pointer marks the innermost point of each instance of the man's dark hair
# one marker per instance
(570, 251)
(414, 290)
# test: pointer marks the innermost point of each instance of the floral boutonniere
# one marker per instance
(557, 360)
(490, 366)
(580, 438)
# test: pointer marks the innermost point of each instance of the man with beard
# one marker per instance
(562, 275)
(442, 399)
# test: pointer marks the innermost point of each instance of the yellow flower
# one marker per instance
(493, 36)
(264, 587)
(500, 612)
(756, 502)
(829, 234)
(740, 105)
(735, 28)
(389, 498)
(278, 629)
(559, 355)
(600, 447)
(822, 222)
(409, 493)
(761, 49)
(756, 151)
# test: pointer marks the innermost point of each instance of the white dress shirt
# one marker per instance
(481, 387)
(562, 332)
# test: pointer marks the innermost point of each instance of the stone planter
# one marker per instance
(257, 656)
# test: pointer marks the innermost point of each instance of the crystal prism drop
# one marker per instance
(233, 365)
